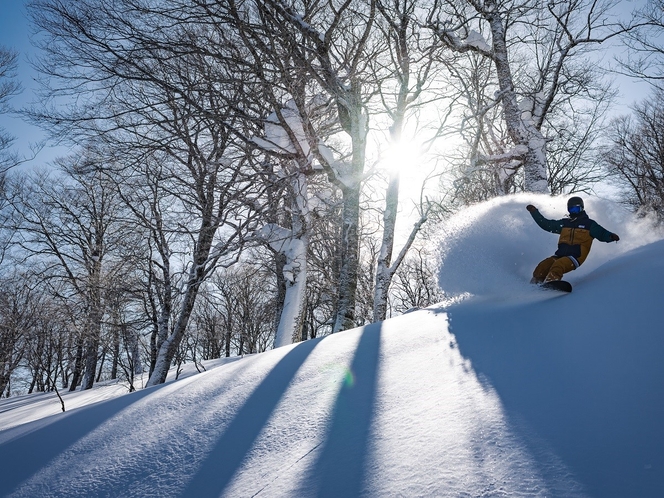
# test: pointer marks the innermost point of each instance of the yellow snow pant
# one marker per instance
(552, 268)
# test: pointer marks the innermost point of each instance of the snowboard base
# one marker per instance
(559, 285)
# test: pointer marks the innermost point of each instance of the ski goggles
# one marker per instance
(574, 209)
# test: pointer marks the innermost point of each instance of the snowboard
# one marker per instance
(559, 285)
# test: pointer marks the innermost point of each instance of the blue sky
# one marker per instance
(15, 33)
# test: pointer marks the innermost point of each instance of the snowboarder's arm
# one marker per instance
(602, 234)
(553, 226)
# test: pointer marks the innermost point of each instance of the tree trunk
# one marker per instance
(295, 269)
(161, 314)
(522, 132)
(351, 191)
(4, 382)
(279, 265)
(78, 366)
(383, 271)
(93, 333)
(292, 314)
(136, 363)
(116, 355)
(345, 316)
(101, 365)
(228, 344)
(169, 347)
(92, 348)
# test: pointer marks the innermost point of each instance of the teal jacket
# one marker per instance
(576, 234)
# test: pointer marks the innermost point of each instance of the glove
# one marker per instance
(615, 237)
(531, 208)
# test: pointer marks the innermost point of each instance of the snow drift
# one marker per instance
(518, 393)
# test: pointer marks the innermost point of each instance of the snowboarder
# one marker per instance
(576, 236)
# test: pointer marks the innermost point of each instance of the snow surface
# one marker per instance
(503, 390)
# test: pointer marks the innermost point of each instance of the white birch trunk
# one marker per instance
(284, 131)
(161, 365)
(383, 271)
(169, 347)
(523, 132)
(294, 244)
(292, 314)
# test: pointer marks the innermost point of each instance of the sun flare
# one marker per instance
(402, 156)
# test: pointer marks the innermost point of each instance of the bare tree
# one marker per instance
(290, 242)
(645, 59)
(329, 48)
(636, 156)
(246, 308)
(537, 53)
(416, 283)
(341, 54)
(576, 143)
(9, 87)
(19, 304)
(47, 345)
(167, 123)
(324, 262)
(208, 328)
(182, 255)
(66, 226)
(230, 65)
(401, 78)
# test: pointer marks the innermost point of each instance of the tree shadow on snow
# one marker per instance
(593, 401)
(234, 444)
(35, 449)
(340, 468)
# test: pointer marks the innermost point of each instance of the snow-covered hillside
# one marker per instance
(504, 390)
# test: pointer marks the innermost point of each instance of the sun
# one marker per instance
(402, 156)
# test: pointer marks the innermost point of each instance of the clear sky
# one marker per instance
(15, 33)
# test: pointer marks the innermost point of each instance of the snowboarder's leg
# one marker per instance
(542, 270)
(559, 267)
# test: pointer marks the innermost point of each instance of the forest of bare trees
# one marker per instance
(231, 184)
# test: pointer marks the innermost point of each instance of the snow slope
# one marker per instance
(504, 390)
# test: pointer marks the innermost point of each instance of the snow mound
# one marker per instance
(491, 248)
(579, 375)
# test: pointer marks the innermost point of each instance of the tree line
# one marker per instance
(228, 188)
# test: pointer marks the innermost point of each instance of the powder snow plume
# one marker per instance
(491, 248)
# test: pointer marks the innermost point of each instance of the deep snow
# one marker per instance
(503, 390)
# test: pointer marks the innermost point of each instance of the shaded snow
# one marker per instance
(27, 408)
(515, 392)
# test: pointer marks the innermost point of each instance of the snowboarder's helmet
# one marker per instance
(574, 205)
